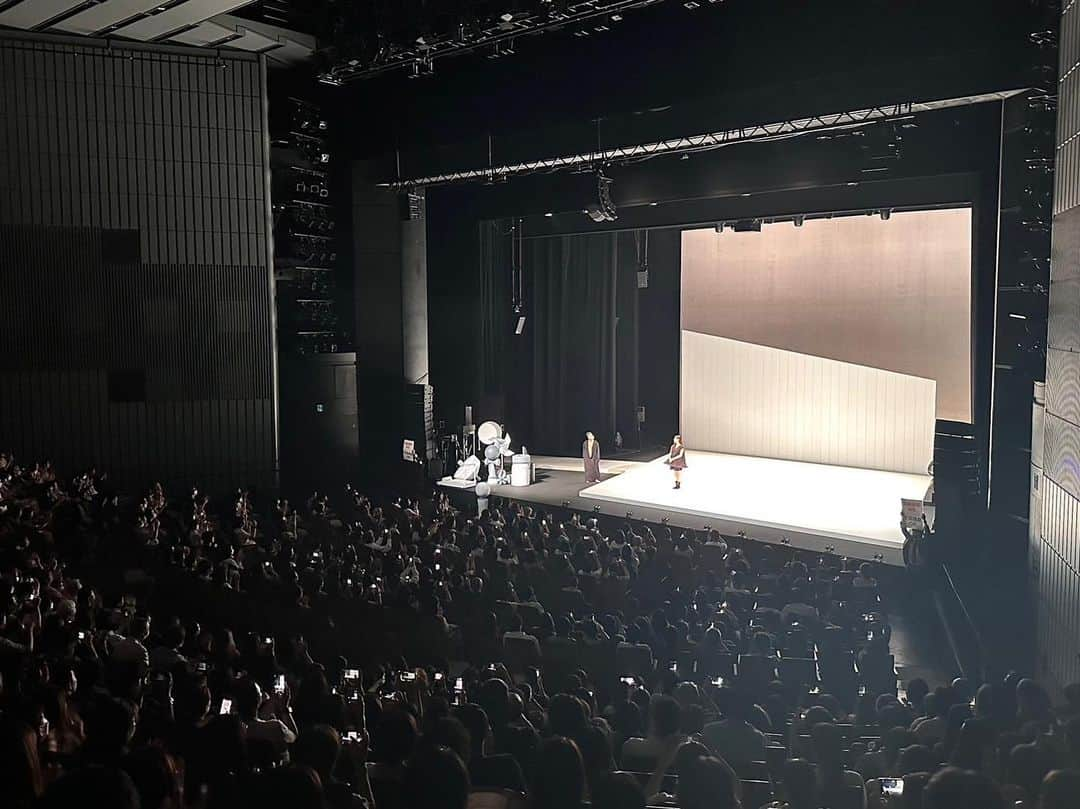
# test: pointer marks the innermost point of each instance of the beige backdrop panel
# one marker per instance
(893, 294)
(748, 399)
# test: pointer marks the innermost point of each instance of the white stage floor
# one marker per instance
(607, 467)
(854, 512)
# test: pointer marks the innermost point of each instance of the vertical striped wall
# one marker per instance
(1055, 561)
(749, 399)
(136, 319)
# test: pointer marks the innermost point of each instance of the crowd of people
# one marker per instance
(408, 654)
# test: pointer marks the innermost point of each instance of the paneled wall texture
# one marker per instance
(757, 400)
(1056, 560)
(136, 305)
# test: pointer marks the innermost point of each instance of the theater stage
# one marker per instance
(854, 512)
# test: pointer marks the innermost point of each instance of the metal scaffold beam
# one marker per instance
(702, 142)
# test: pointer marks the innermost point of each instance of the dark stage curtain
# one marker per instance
(495, 326)
(573, 282)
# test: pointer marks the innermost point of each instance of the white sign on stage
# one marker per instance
(912, 511)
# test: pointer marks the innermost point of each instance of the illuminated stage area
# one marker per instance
(853, 512)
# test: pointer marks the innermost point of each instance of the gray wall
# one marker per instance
(1055, 554)
(136, 305)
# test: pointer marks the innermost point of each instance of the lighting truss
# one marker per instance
(599, 158)
(496, 35)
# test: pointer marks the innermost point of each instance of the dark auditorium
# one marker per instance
(540, 404)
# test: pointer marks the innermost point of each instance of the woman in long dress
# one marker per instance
(590, 454)
(676, 459)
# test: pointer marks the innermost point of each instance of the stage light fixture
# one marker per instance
(719, 227)
(885, 214)
(629, 515)
(799, 220)
(1017, 316)
(596, 509)
(851, 184)
(691, 5)
(520, 327)
(566, 504)
(653, 204)
(549, 214)
(663, 520)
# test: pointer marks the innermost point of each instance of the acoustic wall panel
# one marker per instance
(136, 319)
(757, 400)
(1063, 385)
(1054, 559)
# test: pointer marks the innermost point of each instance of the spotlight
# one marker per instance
(507, 17)
(566, 504)
(885, 214)
(785, 540)
(851, 184)
(663, 520)
(616, 17)
(742, 535)
(719, 227)
(549, 214)
(691, 5)
(1017, 316)
(596, 509)
(708, 527)
(830, 549)
(653, 204)
(799, 219)
(629, 515)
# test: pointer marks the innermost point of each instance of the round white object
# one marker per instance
(488, 432)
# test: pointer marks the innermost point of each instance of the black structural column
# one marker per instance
(390, 284)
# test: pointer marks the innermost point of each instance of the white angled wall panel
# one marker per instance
(756, 400)
(175, 18)
(104, 15)
(32, 14)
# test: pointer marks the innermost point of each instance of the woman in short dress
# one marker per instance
(590, 454)
(676, 459)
